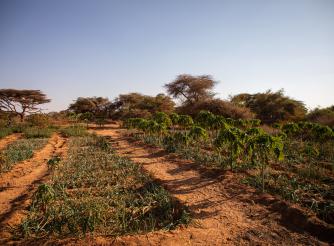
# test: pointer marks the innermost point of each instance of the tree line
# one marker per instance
(187, 95)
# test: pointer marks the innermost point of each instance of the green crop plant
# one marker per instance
(234, 137)
(261, 147)
(162, 119)
(205, 119)
(198, 133)
(185, 121)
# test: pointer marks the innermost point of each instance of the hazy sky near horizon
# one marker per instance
(103, 48)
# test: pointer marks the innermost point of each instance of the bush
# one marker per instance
(18, 151)
(74, 131)
(217, 107)
(41, 120)
(36, 132)
(324, 116)
(5, 132)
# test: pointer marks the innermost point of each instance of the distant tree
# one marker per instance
(21, 102)
(95, 105)
(323, 116)
(191, 89)
(138, 105)
(217, 107)
(271, 107)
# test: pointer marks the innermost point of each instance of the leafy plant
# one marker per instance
(234, 137)
(261, 146)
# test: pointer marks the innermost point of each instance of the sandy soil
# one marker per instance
(224, 211)
(17, 185)
(8, 139)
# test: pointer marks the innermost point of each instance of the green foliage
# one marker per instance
(74, 131)
(53, 162)
(205, 119)
(185, 121)
(94, 190)
(38, 120)
(20, 150)
(5, 131)
(234, 137)
(198, 133)
(36, 132)
(162, 119)
(260, 146)
(272, 107)
(174, 118)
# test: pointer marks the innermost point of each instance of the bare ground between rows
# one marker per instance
(224, 211)
(9, 139)
(18, 185)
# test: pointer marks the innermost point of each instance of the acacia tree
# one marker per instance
(191, 89)
(94, 105)
(271, 107)
(21, 102)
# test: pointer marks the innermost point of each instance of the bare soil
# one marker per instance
(18, 185)
(225, 212)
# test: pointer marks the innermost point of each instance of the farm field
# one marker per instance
(74, 173)
(168, 123)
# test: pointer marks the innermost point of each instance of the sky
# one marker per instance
(72, 48)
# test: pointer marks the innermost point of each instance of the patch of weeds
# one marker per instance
(37, 132)
(5, 131)
(53, 162)
(74, 131)
(94, 190)
(20, 150)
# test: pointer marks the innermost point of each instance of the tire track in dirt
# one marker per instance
(17, 185)
(224, 211)
(9, 139)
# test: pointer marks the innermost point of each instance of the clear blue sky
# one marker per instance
(72, 48)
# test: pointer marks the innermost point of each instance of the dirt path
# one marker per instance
(224, 211)
(8, 139)
(17, 185)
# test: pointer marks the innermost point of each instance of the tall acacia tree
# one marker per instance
(191, 89)
(21, 102)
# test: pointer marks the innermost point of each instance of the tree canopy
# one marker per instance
(21, 102)
(139, 105)
(271, 107)
(94, 105)
(323, 116)
(191, 89)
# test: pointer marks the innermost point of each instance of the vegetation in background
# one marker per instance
(21, 102)
(271, 107)
(74, 131)
(4, 131)
(94, 190)
(20, 150)
(323, 116)
(196, 94)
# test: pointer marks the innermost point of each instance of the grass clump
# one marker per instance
(5, 131)
(74, 131)
(37, 132)
(20, 150)
(95, 190)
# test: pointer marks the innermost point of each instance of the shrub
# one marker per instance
(36, 132)
(5, 132)
(74, 131)
(18, 151)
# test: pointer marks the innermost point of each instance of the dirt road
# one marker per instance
(224, 210)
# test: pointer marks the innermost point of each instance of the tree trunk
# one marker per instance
(21, 117)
